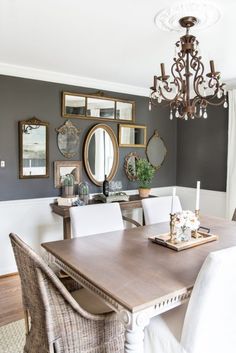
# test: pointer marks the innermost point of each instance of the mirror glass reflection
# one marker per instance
(100, 154)
(74, 105)
(156, 150)
(124, 111)
(100, 108)
(33, 148)
(134, 136)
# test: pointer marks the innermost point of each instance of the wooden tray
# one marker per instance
(163, 239)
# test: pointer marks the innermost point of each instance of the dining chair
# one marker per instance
(209, 325)
(234, 215)
(95, 219)
(60, 321)
(157, 209)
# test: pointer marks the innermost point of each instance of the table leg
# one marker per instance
(134, 330)
(66, 228)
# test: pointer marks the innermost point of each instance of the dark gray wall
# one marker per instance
(22, 99)
(202, 150)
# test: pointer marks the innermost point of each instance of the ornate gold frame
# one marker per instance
(32, 121)
(116, 152)
(126, 165)
(101, 96)
(133, 126)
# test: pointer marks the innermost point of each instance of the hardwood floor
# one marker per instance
(10, 300)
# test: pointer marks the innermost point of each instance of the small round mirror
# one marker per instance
(156, 150)
(101, 154)
(68, 139)
(130, 165)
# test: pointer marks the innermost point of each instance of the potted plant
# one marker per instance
(68, 186)
(145, 173)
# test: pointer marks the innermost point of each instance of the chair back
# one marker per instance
(210, 321)
(157, 209)
(95, 219)
(234, 216)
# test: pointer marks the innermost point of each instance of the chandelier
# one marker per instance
(187, 91)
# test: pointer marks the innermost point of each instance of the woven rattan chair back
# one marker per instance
(57, 323)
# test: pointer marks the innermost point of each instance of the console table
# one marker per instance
(63, 211)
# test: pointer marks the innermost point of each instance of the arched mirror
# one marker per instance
(156, 150)
(130, 165)
(101, 155)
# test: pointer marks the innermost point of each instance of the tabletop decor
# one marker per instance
(185, 227)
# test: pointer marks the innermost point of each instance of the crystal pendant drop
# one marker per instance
(150, 106)
(205, 114)
(200, 112)
(159, 99)
(219, 94)
(171, 115)
(177, 113)
(186, 117)
(225, 104)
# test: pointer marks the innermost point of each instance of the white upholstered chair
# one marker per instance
(157, 209)
(209, 325)
(95, 219)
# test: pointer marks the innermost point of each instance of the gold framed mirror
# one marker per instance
(97, 107)
(132, 135)
(33, 149)
(130, 165)
(156, 150)
(101, 155)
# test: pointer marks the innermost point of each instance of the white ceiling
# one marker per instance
(108, 40)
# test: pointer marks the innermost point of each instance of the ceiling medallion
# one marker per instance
(187, 91)
(207, 15)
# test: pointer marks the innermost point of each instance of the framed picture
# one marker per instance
(61, 168)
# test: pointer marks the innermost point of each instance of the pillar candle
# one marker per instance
(198, 195)
(172, 201)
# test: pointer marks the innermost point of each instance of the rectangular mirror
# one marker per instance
(33, 149)
(100, 108)
(132, 135)
(97, 107)
(74, 105)
(124, 111)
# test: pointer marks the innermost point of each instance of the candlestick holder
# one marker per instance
(172, 228)
(195, 233)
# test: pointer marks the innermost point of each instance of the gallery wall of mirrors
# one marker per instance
(100, 146)
(97, 107)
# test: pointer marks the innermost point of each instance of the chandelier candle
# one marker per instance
(187, 91)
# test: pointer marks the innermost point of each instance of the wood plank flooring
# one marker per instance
(10, 300)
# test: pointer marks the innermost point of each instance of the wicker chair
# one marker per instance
(58, 323)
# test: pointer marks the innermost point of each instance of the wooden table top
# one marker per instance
(133, 270)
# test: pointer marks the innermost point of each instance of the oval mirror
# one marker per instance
(68, 139)
(130, 165)
(156, 150)
(101, 154)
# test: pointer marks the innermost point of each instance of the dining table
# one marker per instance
(135, 277)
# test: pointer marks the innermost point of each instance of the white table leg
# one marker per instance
(134, 330)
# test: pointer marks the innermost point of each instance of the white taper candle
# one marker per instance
(198, 196)
(172, 200)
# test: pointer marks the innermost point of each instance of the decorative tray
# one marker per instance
(116, 197)
(163, 239)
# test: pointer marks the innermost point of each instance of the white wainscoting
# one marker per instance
(34, 222)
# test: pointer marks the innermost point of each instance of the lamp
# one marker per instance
(187, 91)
